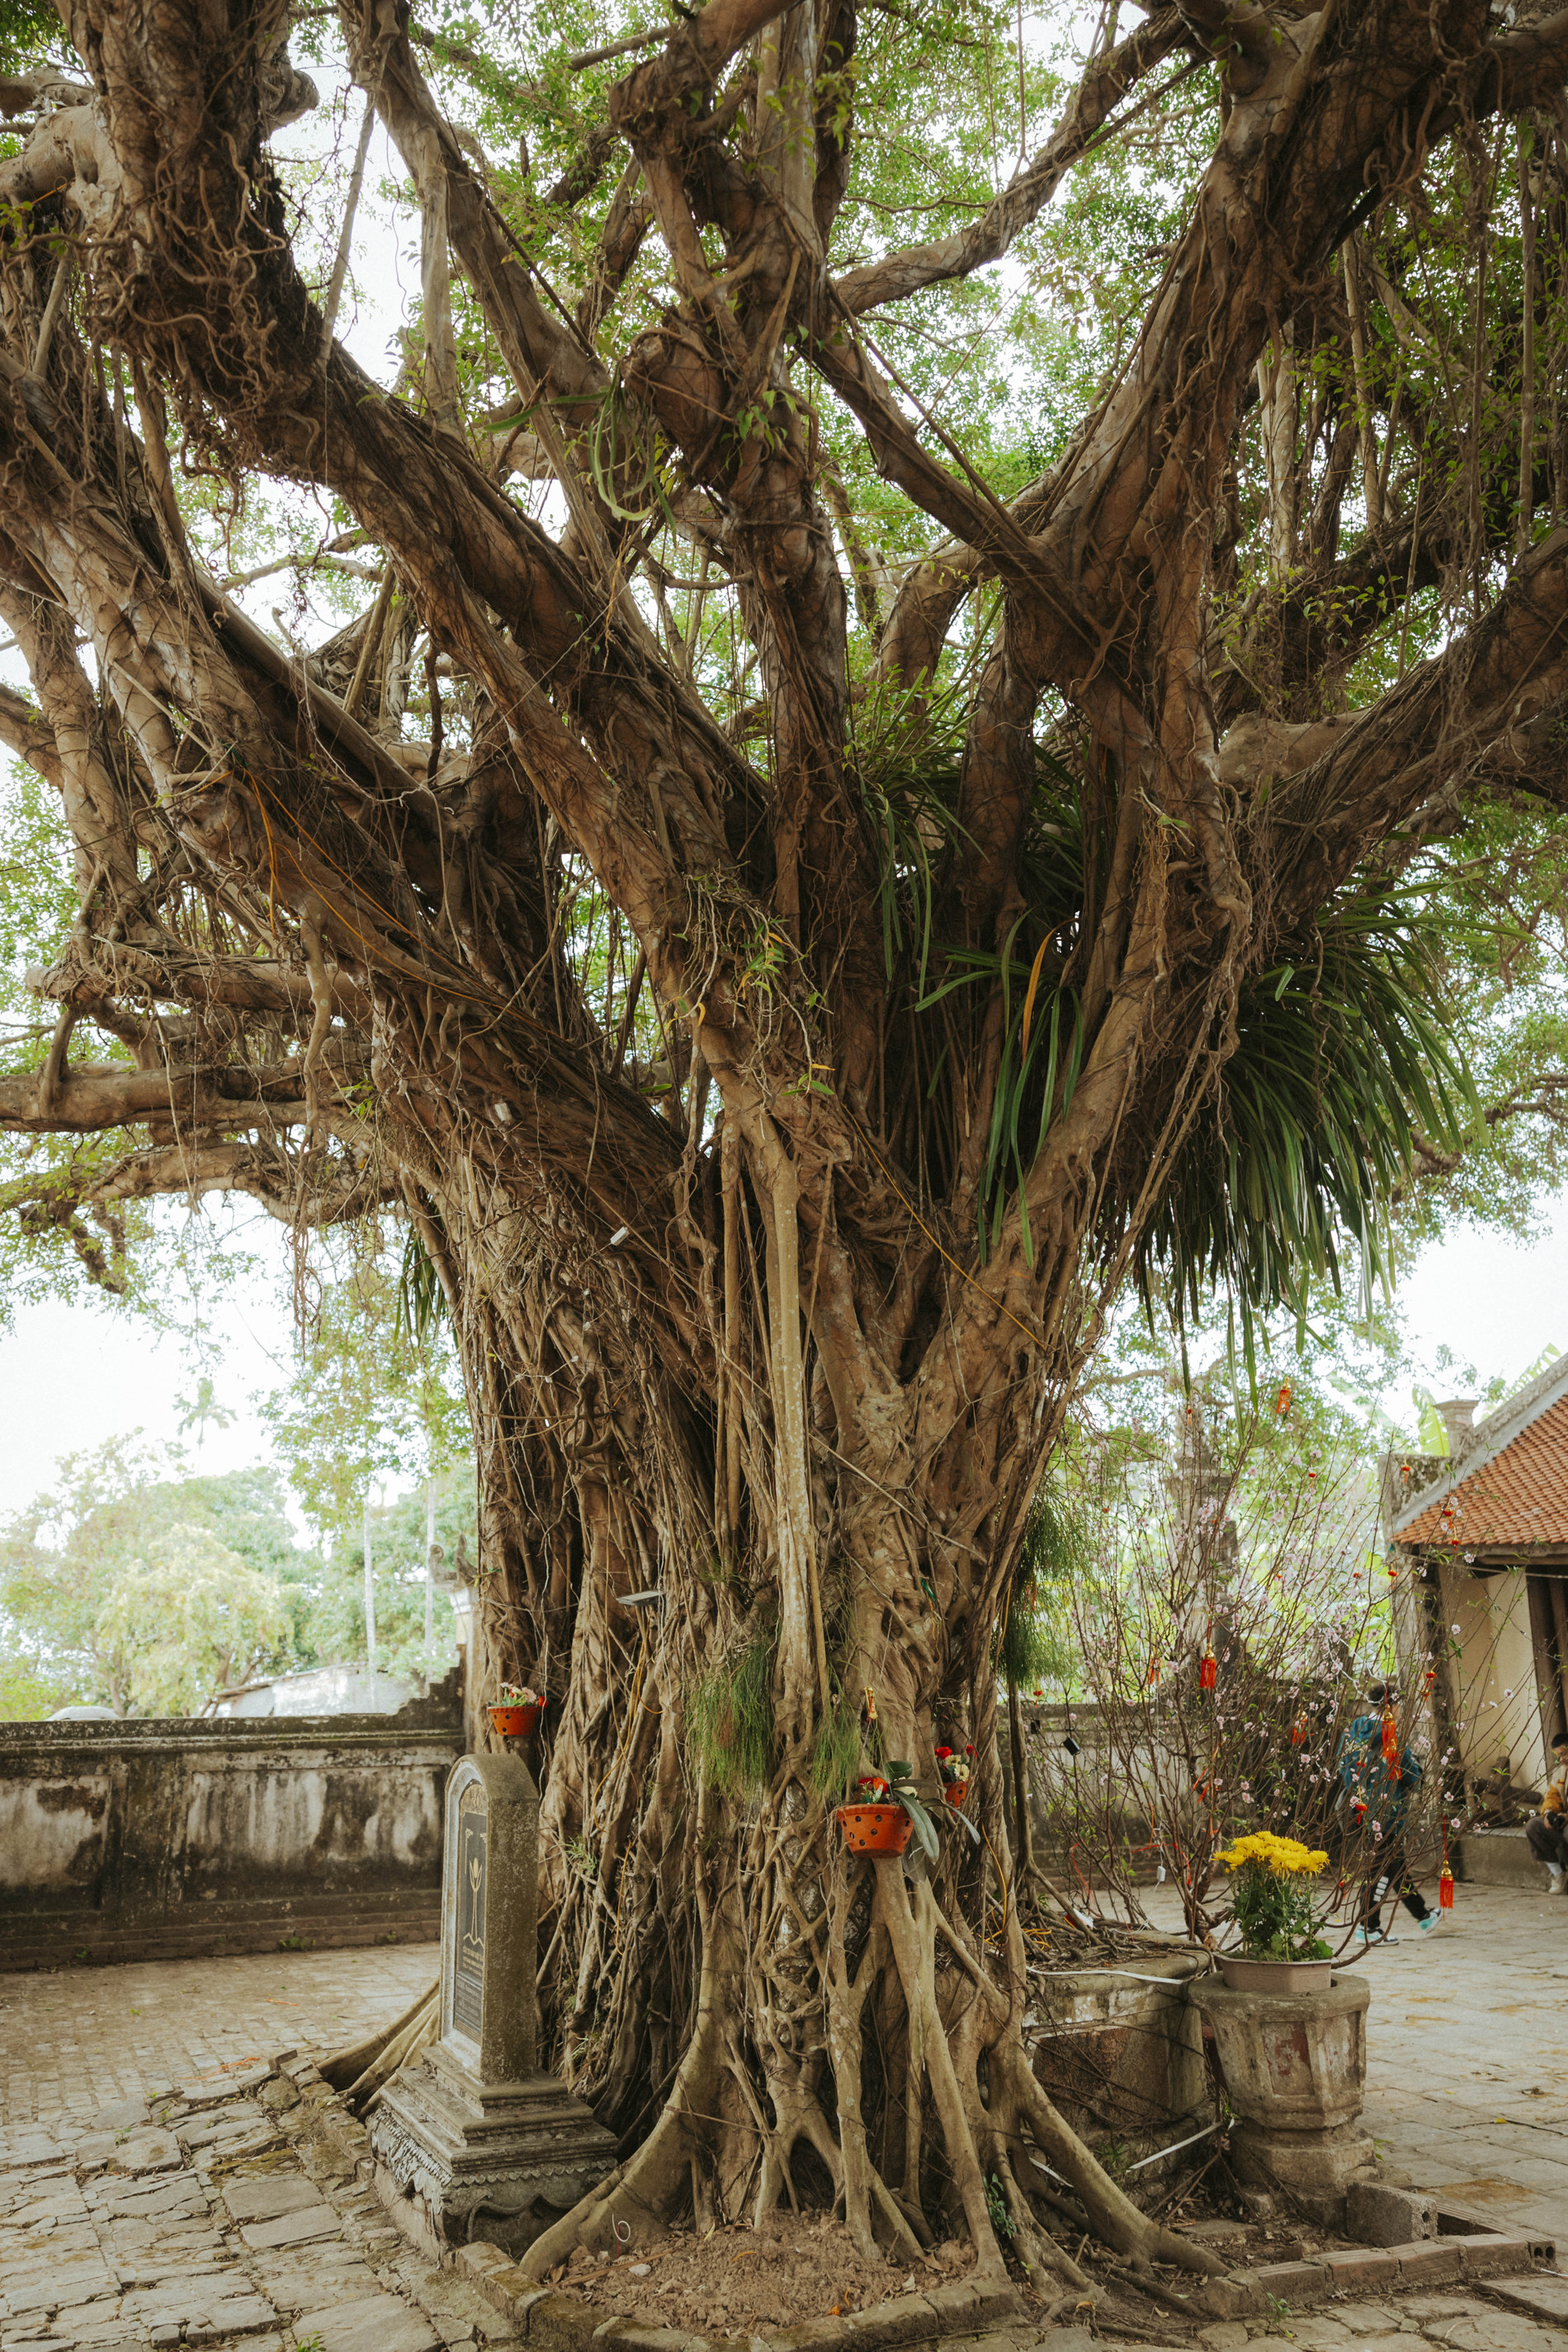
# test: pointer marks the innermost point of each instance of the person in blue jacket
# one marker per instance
(1379, 1778)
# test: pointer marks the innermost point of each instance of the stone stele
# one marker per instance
(471, 2141)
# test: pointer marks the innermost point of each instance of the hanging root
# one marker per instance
(640, 2193)
(1110, 2211)
(345, 2068)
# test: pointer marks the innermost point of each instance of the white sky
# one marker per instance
(73, 1375)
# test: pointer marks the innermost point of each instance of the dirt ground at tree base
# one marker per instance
(733, 2279)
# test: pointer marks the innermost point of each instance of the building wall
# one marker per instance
(161, 1840)
(1496, 1703)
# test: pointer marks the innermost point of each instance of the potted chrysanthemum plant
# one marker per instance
(1273, 1903)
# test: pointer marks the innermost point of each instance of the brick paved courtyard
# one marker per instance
(80, 2039)
(162, 2185)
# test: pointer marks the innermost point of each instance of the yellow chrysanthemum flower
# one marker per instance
(1286, 1857)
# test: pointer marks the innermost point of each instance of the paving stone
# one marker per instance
(226, 2123)
(265, 2195)
(378, 2323)
(294, 2229)
(239, 2315)
(147, 2151)
(297, 2282)
(1495, 2331)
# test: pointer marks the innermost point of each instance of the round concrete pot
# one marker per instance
(1273, 1976)
(1294, 2068)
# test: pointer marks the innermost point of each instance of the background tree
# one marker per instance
(93, 1575)
(872, 796)
(188, 1627)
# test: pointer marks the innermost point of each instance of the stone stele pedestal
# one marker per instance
(471, 2141)
(1294, 2065)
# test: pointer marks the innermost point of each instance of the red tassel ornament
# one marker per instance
(1208, 1671)
(1446, 1890)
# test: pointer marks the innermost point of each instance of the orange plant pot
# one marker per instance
(874, 1828)
(517, 1722)
(955, 1792)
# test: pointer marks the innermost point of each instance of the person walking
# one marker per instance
(1547, 1831)
(1380, 1776)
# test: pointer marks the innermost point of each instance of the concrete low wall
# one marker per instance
(1498, 1858)
(166, 1839)
(1120, 2051)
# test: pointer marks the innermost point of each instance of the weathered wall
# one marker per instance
(162, 1838)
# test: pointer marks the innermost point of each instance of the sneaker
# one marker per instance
(1361, 1940)
(1429, 1922)
(1559, 1884)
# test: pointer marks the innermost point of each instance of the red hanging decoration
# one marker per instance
(1446, 1890)
(1298, 1734)
(1429, 1681)
(1208, 1671)
(1390, 1745)
(1282, 1402)
(1153, 1672)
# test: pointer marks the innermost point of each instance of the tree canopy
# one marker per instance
(946, 692)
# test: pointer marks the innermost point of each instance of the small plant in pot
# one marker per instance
(889, 1811)
(1272, 1902)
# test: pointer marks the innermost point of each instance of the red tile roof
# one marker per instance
(1520, 1497)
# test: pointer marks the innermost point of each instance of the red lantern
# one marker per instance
(1208, 1671)
(1446, 1890)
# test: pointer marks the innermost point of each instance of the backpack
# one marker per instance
(1370, 1778)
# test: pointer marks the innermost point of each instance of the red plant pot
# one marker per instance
(955, 1792)
(517, 1722)
(874, 1828)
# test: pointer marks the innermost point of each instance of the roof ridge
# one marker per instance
(1505, 1428)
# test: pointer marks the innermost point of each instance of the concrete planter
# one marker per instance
(1294, 2068)
(1275, 1976)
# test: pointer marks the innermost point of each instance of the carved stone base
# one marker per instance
(457, 2162)
(1315, 2168)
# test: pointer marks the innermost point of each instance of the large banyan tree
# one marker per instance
(812, 865)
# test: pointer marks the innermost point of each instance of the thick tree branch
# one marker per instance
(1105, 83)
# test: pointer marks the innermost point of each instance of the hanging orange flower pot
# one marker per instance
(874, 1829)
(955, 1792)
(515, 1722)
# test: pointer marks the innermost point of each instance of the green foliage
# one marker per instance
(141, 1592)
(1036, 1646)
(1342, 1053)
(369, 1402)
(189, 1624)
(29, 35)
(1275, 1915)
(834, 1751)
(334, 1624)
(729, 1719)
(1002, 2221)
